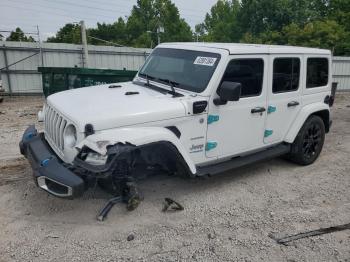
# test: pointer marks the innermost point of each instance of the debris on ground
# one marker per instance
(25, 113)
(130, 195)
(105, 210)
(317, 232)
(171, 205)
(131, 237)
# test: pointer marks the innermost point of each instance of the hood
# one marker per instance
(106, 108)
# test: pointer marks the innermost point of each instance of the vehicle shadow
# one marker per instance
(36, 204)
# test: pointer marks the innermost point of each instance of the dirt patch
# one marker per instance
(228, 217)
(13, 170)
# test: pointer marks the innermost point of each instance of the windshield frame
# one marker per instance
(185, 87)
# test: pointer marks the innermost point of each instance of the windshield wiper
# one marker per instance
(149, 85)
(148, 77)
(172, 85)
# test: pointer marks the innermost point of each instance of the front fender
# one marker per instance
(301, 118)
(138, 136)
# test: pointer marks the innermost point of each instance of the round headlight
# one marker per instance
(70, 136)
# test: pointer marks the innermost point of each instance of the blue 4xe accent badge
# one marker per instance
(210, 146)
(45, 162)
(29, 136)
(268, 133)
(271, 109)
(212, 119)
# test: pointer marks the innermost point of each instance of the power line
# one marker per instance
(193, 11)
(105, 41)
(36, 20)
(89, 7)
(85, 6)
(188, 9)
(114, 10)
(50, 12)
(64, 10)
(5, 31)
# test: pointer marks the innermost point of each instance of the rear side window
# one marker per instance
(248, 72)
(317, 72)
(286, 75)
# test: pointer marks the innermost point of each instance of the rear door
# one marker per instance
(284, 95)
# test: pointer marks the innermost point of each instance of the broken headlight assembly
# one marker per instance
(93, 158)
(96, 159)
(97, 163)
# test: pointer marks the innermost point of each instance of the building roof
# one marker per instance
(235, 48)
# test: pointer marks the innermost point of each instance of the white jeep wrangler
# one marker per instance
(193, 109)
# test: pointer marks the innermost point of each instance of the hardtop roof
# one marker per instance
(237, 48)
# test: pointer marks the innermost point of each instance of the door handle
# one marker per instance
(258, 110)
(293, 103)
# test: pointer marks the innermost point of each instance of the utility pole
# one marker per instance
(40, 49)
(160, 29)
(84, 43)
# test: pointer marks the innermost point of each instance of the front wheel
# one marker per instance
(308, 144)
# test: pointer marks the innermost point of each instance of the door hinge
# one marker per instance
(210, 145)
(212, 119)
(268, 133)
(271, 109)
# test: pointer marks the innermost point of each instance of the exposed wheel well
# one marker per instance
(324, 115)
(164, 154)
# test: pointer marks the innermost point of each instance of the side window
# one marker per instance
(286, 75)
(248, 72)
(317, 72)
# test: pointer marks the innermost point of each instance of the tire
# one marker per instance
(308, 144)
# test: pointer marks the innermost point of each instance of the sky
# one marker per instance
(50, 15)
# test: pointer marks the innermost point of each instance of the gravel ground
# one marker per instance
(228, 217)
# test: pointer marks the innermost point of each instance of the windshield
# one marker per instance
(187, 69)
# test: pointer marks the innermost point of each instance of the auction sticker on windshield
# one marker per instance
(207, 61)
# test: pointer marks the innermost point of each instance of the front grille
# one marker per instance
(54, 127)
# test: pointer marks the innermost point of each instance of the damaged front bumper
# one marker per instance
(48, 171)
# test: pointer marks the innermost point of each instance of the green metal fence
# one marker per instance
(56, 79)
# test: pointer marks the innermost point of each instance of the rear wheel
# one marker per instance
(309, 142)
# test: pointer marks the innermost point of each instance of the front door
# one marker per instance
(238, 127)
(284, 95)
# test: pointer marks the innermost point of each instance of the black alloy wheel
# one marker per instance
(308, 144)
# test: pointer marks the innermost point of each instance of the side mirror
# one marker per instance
(228, 91)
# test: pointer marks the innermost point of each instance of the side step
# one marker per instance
(236, 162)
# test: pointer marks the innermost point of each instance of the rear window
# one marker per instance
(286, 74)
(317, 72)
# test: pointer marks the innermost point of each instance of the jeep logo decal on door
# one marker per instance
(197, 148)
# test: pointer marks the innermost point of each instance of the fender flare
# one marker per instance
(302, 116)
(137, 136)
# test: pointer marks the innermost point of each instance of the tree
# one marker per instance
(221, 24)
(70, 33)
(18, 35)
(148, 15)
(258, 16)
(139, 29)
(1, 37)
(326, 34)
(339, 10)
(115, 33)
